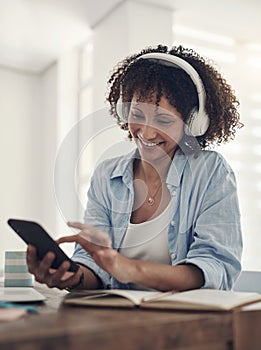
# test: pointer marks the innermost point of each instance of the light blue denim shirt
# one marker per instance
(205, 227)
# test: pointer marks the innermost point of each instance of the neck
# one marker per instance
(151, 172)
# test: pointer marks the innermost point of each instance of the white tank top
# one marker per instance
(149, 240)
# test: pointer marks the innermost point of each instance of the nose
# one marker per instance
(147, 132)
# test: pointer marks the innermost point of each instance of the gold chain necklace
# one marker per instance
(151, 199)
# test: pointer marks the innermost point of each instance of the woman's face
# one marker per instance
(156, 130)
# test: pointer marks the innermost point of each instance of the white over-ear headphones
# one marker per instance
(198, 121)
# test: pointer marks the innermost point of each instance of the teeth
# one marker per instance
(148, 144)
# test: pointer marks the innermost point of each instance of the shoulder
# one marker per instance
(115, 166)
(217, 160)
(209, 167)
(212, 160)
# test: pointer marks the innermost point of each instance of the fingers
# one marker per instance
(41, 269)
(72, 280)
(42, 272)
(31, 258)
(84, 243)
(68, 239)
(89, 238)
(54, 278)
(78, 225)
(96, 237)
(89, 233)
(91, 242)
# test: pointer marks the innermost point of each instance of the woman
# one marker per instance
(165, 216)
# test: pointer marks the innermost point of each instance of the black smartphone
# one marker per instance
(33, 233)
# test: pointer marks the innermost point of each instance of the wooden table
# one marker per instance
(247, 327)
(66, 327)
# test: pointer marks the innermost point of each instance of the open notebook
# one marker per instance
(20, 294)
(198, 299)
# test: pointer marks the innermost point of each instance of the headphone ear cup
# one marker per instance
(122, 110)
(197, 124)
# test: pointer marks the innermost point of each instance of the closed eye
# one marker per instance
(165, 122)
(136, 115)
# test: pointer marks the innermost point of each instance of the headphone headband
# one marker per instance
(180, 63)
(198, 121)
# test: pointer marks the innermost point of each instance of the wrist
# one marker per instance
(77, 285)
(133, 270)
(125, 269)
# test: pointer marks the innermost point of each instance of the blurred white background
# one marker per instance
(55, 58)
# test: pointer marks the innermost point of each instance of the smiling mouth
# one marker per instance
(148, 144)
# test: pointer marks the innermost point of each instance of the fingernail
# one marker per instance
(51, 255)
(30, 248)
(66, 264)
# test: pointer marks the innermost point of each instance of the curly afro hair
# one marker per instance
(146, 78)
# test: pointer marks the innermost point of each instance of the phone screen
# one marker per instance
(33, 233)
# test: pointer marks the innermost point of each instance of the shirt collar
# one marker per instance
(176, 168)
(124, 167)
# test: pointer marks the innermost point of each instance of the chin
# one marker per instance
(155, 155)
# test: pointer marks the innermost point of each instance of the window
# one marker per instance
(240, 63)
(85, 110)
(95, 143)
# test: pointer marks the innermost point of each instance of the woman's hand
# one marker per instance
(98, 245)
(41, 269)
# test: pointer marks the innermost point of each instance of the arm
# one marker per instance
(216, 238)
(126, 270)
(160, 276)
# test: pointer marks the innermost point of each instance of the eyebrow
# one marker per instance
(161, 114)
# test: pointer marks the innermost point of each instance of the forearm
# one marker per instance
(164, 277)
(152, 275)
(90, 280)
(148, 274)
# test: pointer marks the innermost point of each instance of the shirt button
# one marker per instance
(172, 223)
(173, 256)
(174, 193)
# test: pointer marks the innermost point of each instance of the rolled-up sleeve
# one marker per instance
(216, 247)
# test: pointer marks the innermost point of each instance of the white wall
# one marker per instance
(46, 145)
(18, 109)
(28, 126)
(131, 27)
